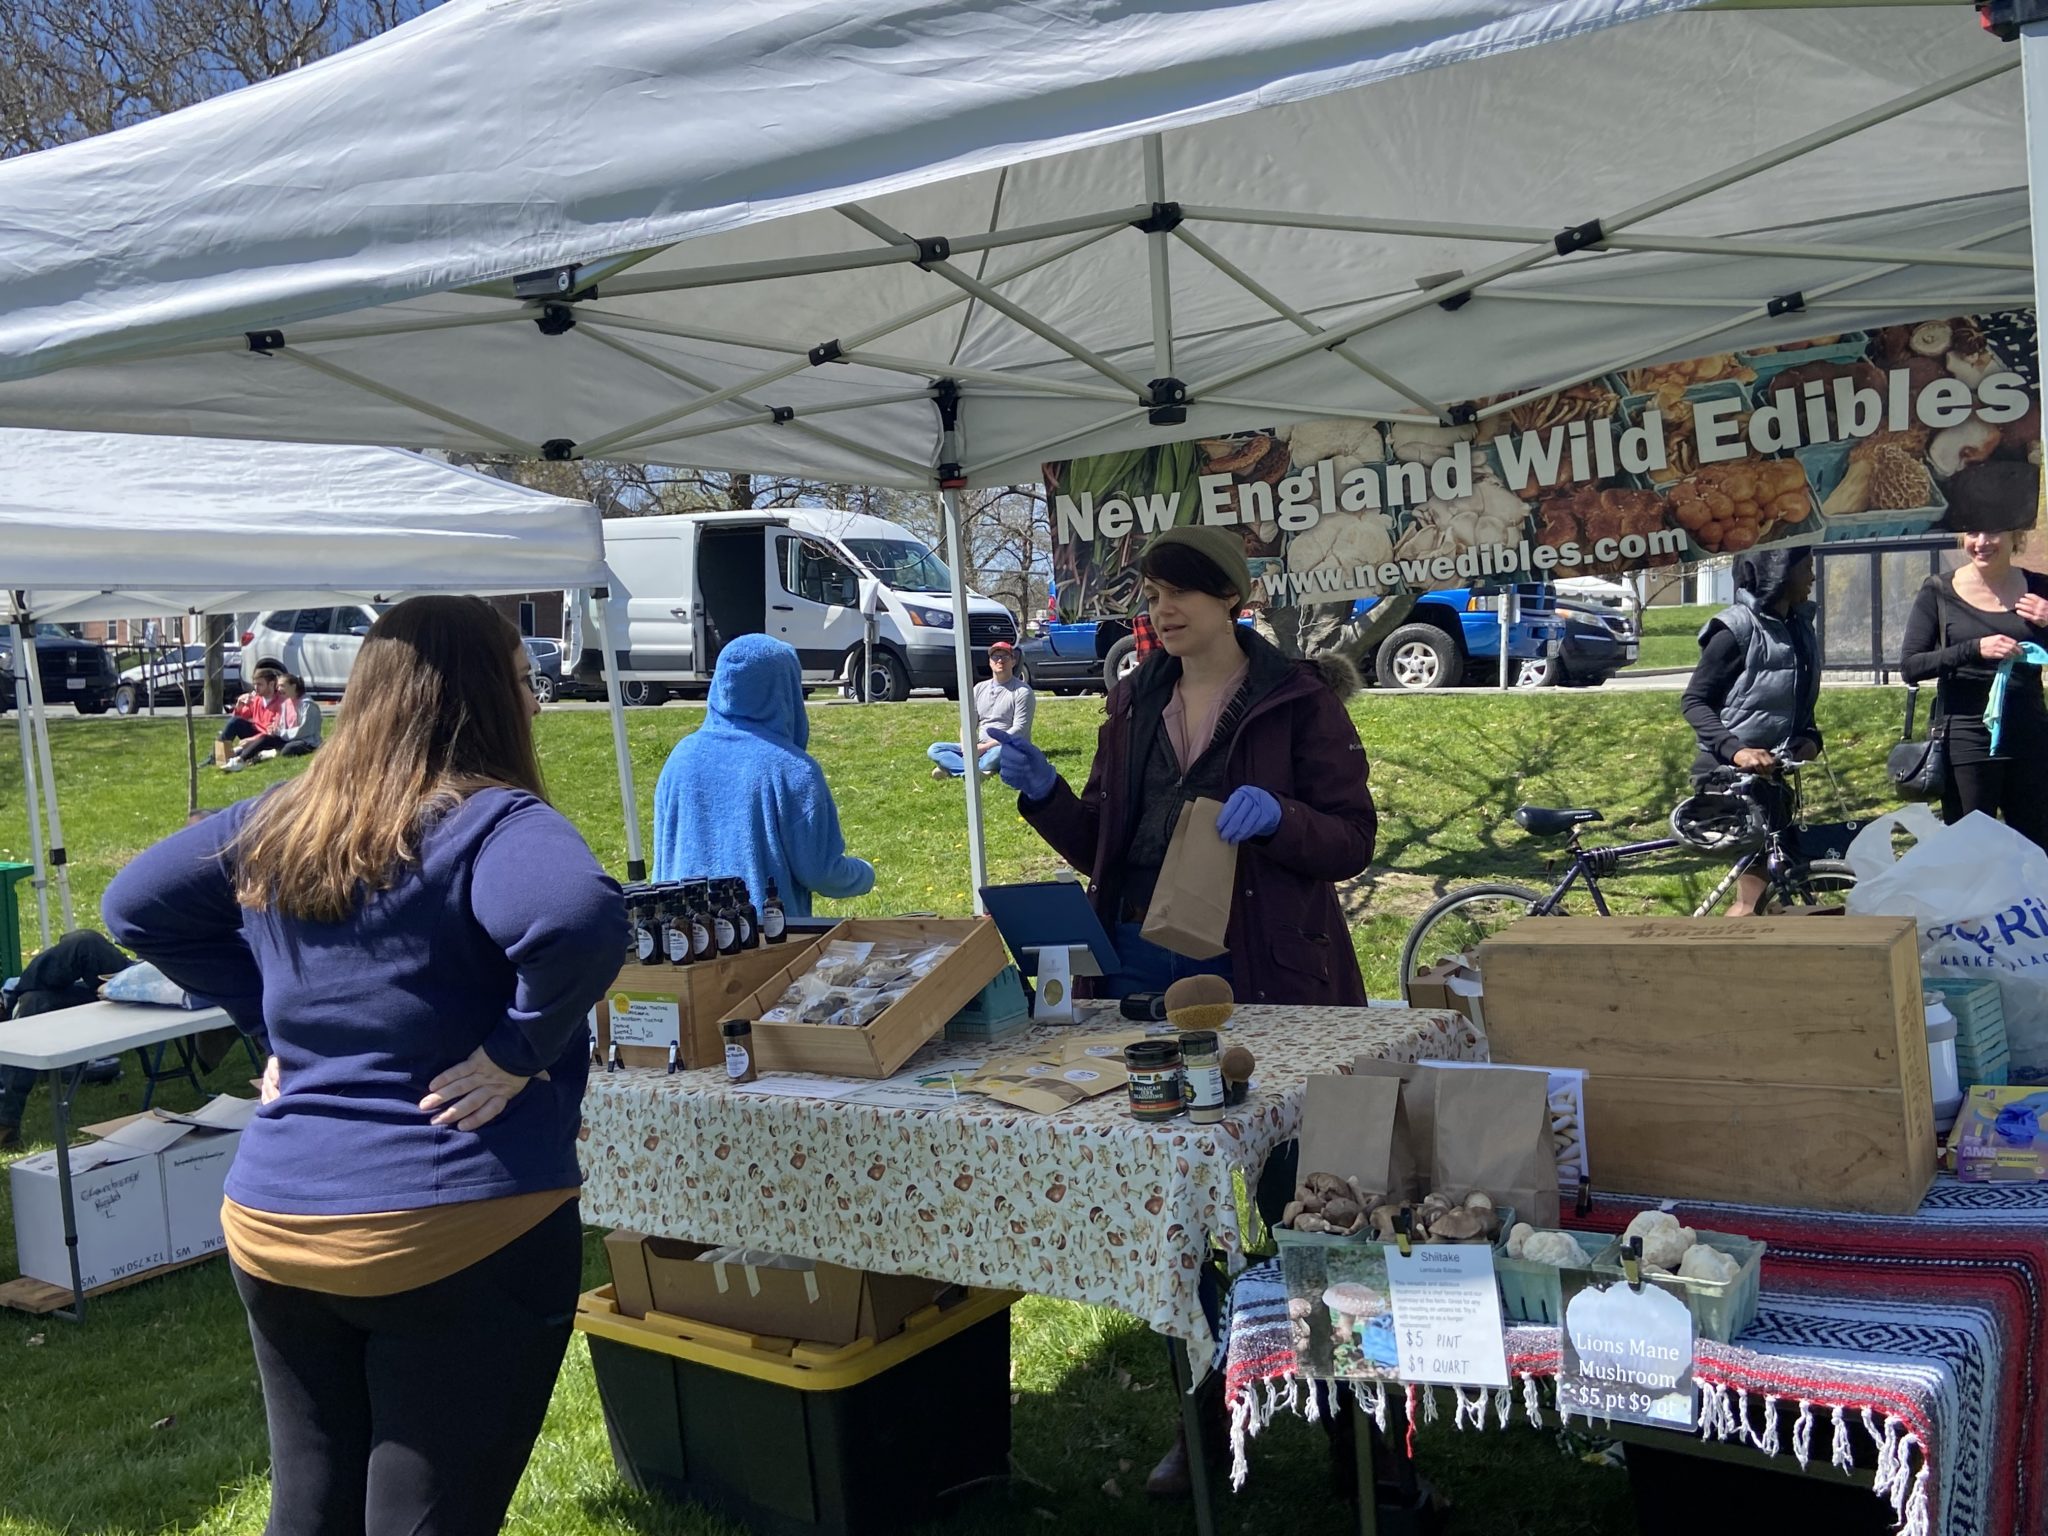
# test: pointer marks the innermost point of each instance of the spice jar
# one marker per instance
(1153, 1068)
(739, 1050)
(1201, 1064)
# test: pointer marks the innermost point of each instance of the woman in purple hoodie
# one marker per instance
(422, 935)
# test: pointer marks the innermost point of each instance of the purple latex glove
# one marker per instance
(1023, 767)
(1249, 812)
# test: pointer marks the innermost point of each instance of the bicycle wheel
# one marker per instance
(1822, 883)
(1460, 921)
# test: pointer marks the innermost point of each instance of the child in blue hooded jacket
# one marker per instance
(741, 796)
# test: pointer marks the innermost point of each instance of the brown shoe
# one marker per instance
(1172, 1479)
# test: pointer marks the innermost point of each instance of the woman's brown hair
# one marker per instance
(437, 709)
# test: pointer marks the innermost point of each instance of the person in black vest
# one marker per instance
(1752, 696)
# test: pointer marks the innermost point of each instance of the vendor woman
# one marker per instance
(1219, 714)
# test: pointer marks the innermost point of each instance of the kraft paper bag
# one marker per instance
(1190, 911)
(1492, 1133)
(1418, 1112)
(1355, 1127)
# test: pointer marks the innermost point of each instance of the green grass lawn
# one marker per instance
(148, 1419)
(1671, 635)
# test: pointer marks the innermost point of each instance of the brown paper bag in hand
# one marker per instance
(1356, 1128)
(1190, 911)
(1418, 1113)
(1492, 1133)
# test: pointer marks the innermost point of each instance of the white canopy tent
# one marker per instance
(932, 245)
(96, 525)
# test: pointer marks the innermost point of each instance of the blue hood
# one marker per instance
(757, 687)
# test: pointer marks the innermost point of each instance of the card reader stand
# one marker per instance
(1055, 966)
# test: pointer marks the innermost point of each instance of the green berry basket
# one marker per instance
(1719, 1311)
(1529, 1291)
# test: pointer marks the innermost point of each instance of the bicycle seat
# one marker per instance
(1553, 823)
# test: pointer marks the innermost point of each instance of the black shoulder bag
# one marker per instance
(1919, 769)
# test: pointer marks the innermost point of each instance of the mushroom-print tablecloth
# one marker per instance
(1089, 1205)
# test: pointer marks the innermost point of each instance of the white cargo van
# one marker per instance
(683, 586)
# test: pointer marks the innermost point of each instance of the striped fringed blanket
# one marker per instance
(1923, 1335)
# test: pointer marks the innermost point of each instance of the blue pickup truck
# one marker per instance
(1452, 637)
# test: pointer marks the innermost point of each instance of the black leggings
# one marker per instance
(413, 1413)
(2013, 787)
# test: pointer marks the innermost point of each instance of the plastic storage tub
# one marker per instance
(1719, 1312)
(801, 1440)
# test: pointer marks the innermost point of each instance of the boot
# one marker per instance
(1172, 1479)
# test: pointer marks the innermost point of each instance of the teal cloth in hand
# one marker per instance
(1994, 706)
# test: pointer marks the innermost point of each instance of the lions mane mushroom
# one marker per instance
(1664, 1240)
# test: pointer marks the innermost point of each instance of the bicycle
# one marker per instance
(1461, 920)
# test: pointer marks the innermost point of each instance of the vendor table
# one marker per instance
(61, 1042)
(1915, 1341)
(1087, 1205)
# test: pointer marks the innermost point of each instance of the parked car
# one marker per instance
(73, 671)
(546, 656)
(1598, 642)
(1449, 638)
(170, 673)
(317, 644)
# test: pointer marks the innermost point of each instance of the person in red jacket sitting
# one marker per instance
(256, 713)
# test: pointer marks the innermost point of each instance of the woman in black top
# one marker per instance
(1962, 626)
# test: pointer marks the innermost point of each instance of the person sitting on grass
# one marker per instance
(1003, 703)
(254, 716)
(296, 733)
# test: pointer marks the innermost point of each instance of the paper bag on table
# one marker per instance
(1492, 1133)
(1190, 911)
(1453, 984)
(1418, 1114)
(1356, 1128)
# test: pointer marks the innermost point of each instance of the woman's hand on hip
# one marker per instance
(271, 1086)
(1997, 647)
(472, 1094)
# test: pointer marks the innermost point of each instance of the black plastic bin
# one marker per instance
(810, 1442)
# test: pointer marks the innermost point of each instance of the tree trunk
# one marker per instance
(219, 631)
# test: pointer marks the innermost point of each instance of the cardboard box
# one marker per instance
(654, 1004)
(626, 1251)
(1999, 1137)
(879, 1047)
(117, 1197)
(825, 1303)
(193, 1153)
(1773, 1061)
(1454, 984)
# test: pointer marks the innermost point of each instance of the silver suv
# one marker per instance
(317, 644)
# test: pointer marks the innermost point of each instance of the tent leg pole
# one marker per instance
(2034, 95)
(629, 799)
(32, 795)
(39, 728)
(963, 673)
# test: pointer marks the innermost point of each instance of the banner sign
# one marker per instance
(1851, 437)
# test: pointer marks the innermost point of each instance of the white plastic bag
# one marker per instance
(1979, 892)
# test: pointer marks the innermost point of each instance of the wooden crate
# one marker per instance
(706, 996)
(879, 1047)
(1768, 1060)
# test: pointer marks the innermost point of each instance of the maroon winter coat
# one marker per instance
(1287, 937)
